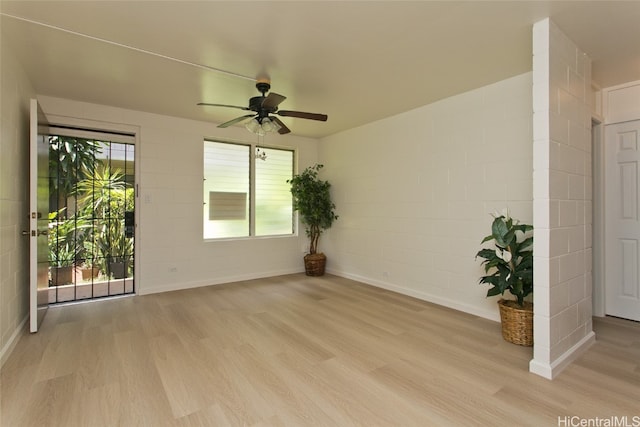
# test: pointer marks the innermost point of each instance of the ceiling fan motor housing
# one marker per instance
(255, 104)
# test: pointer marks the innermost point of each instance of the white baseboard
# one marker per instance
(5, 352)
(455, 305)
(545, 370)
(214, 281)
(551, 370)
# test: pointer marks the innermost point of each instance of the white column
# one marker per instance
(562, 200)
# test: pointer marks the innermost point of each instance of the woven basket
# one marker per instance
(517, 322)
(314, 264)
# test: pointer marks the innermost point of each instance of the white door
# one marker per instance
(622, 222)
(38, 222)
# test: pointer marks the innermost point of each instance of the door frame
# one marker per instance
(614, 105)
(599, 265)
(598, 269)
(88, 125)
(610, 231)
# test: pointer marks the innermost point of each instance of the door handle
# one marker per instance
(42, 232)
(25, 233)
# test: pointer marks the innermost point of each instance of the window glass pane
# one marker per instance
(226, 170)
(274, 211)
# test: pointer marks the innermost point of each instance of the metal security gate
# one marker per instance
(91, 236)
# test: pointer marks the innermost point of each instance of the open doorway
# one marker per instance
(91, 238)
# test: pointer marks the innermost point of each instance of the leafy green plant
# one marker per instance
(69, 160)
(104, 197)
(312, 199)
(112, 242)
(89, 251)
(63, 238)
(113, 247)
(511, 262)
(63, 256)
(100, 191)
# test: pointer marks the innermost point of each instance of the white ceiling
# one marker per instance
(356, 61)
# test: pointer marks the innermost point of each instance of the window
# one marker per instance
(246, 191)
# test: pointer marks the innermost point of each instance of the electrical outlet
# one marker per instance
(173, 269)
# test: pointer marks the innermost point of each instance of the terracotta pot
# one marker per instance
(90, 273)
(61, 275)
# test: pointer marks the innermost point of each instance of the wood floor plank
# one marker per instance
(300, 351)
(58, 357)
(309, 381)
(51, 403)
(291, 406)
(204, 417)
(97, 405)
(142, 400)
(292, 338)
(185, 387)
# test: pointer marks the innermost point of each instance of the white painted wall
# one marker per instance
(562, 200)
(415, 191)
(170, 171)
(14, 203)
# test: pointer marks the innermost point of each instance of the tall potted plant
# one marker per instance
(115, 249)
(105, 196)
(62, 237)
(312, 199)
(61, 260)
(509, 267)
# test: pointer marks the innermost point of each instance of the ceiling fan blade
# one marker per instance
(223, 105)
(283, 128)
(236, 120)
(303, 115)
(272, 100)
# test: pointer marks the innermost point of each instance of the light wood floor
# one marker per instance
(300, 351)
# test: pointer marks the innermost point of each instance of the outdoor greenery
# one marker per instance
(103, 197)
(93, 236)
(511, 262)
(69, 159)
(312, 199)
(63, 236)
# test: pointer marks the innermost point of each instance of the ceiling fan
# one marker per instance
(263, 106)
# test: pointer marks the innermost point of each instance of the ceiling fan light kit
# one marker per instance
(262, 126)
(261, 121)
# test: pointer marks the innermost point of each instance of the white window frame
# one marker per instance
(252, 189)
